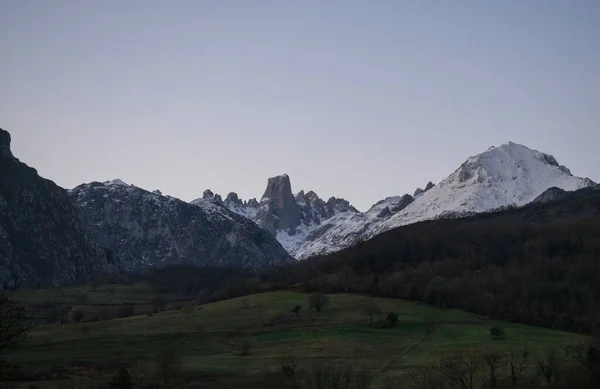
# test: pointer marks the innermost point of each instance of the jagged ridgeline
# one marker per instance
(51, 236)
(510, 175)
(43, 240)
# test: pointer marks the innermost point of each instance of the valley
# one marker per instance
(210, 339)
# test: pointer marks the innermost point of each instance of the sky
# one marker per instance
(353, 99)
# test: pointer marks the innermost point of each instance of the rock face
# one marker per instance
(146, 229)
(280, 211)
(43, 241)
(419, 191)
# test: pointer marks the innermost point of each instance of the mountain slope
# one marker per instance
(147, 229)
(43, 241)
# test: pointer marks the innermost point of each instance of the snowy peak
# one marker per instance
(507, 175)
(116, 182)
(291, 218)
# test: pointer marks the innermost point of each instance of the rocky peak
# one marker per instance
(278, 186)
(5, 152)
(253, 203)
(208, 195)
(340, 205)
(233, 198)
(280, 210)
(420, 191)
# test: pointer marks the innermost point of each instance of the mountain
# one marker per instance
(43, 241)
(505, 176)
(146, 229)
(290, 218)
(508, 175)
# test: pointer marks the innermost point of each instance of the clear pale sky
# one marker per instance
(356, 99)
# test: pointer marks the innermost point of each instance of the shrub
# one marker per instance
(296, 310)
(318, 301)
(392, 318)
(76, 314)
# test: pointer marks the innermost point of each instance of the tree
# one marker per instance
(392, 317)
(14, 324)
(168, 368)
(318, 301)
(371, 309)
(296, 310)
(461, 371)
(76, 314)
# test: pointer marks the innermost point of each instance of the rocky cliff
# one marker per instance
(43, 241)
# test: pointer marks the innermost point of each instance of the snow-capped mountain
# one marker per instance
(291, 218)
(305, 225)
(508, 175)
(146, 229)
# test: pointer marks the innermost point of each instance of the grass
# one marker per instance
(208, 337)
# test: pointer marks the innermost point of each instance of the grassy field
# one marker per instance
(209, 338)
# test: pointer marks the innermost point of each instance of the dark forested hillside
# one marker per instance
(539, 264)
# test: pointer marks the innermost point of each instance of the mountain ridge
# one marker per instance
(149, 229)
(504, 176)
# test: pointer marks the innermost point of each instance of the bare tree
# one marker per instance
(14, 324)
(372, 310)
(517, 363)
(461, 370)
(168, 368)
(548, 364)
(296, 310)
